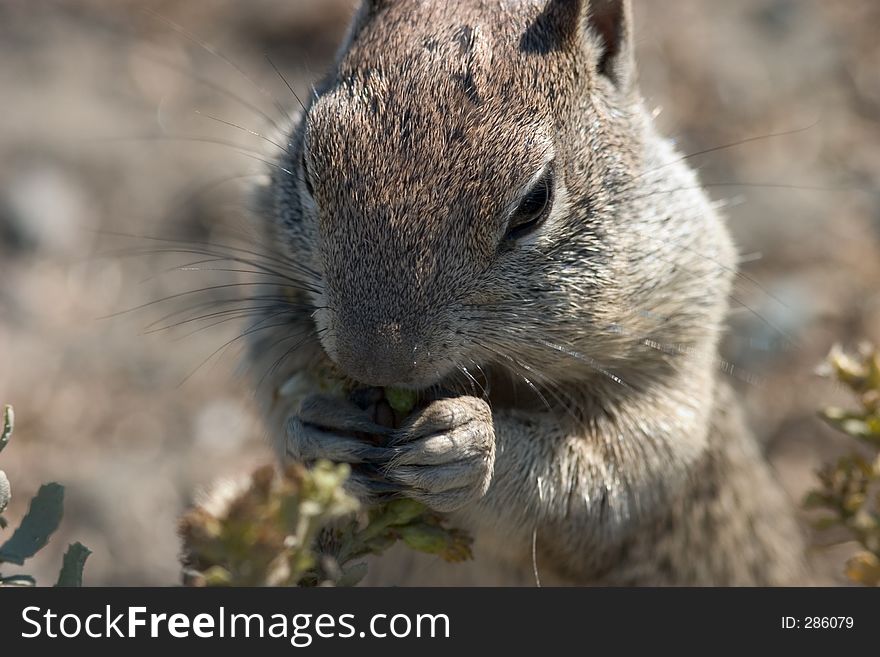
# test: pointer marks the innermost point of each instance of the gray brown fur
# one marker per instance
(605, 433)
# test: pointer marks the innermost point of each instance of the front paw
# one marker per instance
(445, 453)
(336, 430)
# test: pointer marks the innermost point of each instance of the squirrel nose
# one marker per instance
(380, 356)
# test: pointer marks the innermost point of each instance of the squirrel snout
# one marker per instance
(382, 355)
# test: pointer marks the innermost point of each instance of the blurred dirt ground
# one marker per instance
(100, 135)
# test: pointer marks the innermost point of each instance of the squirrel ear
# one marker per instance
(611, 22)
(557, 26)
(562, 23)
(376, 5)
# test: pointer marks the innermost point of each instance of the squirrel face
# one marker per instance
(459, 185)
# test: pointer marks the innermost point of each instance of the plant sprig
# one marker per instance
(849, 491)
(298, 527)
(39, 523)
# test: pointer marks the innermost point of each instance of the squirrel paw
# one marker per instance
(444, 454)
(336, 430)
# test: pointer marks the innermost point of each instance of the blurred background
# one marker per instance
(107, 139)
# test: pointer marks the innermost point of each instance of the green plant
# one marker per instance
(849, 492)
(300, 528)
(38, 524)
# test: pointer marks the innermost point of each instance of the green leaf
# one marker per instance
(218, 576)
(424, 538)
(72, 567)
(403, 511)
(352, 575)
(8, 424)
(43, 518)
(449, 544)
(401, 400)
(815, 500)
(825, 523)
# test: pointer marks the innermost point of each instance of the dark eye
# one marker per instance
(533, 209)
(305, 174)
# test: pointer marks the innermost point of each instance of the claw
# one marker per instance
(331, 413)
(365, 478)
(309, 443)
(381, 455)
(440, 478)
(372, 471)
(447, 501)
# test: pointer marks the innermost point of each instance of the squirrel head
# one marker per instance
(462, 187)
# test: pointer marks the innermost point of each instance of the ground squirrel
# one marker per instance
(475, 203)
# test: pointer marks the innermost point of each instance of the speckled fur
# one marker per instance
(604, 434)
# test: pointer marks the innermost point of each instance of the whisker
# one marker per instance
(746, 258)
(733, 183)
(535, 556)
(194, 267)
(226, 345)
(194, 192)
(230, 314)
(311, 335)
(733, 144)
(234, 318)
(562, 399)
(265, 255)
(619, 329)
(270, 163)
(179, 295)
(243, 129)
(474, 383)
(209, 249)
(733, 271)
(786, 338)
(276, 301)
(517, 365)
(241, 150)
(284, 79)
(284, 280)
(204, 45)
(586, 359)
(210, 84)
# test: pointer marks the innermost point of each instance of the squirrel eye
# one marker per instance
(305, 174)
(532, 210)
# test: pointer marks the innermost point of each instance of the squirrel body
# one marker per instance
(476, 205)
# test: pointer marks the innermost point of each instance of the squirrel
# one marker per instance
(475, 204)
